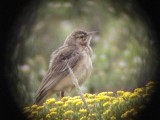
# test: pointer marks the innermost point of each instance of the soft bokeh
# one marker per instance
(122, 57)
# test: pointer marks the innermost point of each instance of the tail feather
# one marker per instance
(42, 96)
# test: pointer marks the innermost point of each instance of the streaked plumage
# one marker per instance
(76, 52)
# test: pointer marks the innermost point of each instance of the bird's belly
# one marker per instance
(84, 70)
(81, 71)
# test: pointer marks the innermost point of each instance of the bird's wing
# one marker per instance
(58, 68)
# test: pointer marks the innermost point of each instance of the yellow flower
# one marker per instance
(27, 109)
(53, 113)
(91, 95)
(65, 105)
(76, 101)
(90, 101)
(109, 93)
(53, 110)
(69, 101)
(92, 115)
(59, 103)
(86, 95)
(150, 83)
(68, 113)
(106, 104)
(119, 93)
(83, 118)
(50, 101)
(124, 115)
(90, 105)
(126, 94)
(40, 108)
(101, 98)
(113, 118)
(97, 100)
(132, 110)
(133, 95)
(35, 113)
(107, 112)
(48, 116)
(83, 111)
(115, 102)
(121, 100)
(76, 97)
(80, 103)
(103, 93)
(64, 98)
(128, 112)
(138, 90)
(34, 106)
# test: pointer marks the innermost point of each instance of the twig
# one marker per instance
(75, 82)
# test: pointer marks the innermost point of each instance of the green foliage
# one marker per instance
(121, 49)
(103, 106)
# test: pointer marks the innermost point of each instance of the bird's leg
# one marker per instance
(61, 94)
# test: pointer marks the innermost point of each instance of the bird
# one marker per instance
(76, 53)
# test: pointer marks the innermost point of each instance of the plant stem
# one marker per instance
(75, 82)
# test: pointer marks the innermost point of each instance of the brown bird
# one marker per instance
(75, 53)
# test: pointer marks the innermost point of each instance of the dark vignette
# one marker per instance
(10, 13)
(150, 9)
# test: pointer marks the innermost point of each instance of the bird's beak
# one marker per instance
(92, 33)
(90, 36)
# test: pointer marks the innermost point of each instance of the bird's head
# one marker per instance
(79, 38)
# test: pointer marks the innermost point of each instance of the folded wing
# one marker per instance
(57, 70)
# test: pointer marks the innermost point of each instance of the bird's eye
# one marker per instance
(81, 35)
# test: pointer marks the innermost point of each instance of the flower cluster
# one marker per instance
(105, 106)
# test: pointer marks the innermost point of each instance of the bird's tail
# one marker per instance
(41, 97)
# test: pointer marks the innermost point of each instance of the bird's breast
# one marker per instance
(84, 67)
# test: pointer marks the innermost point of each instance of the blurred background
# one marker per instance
(123, 50)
